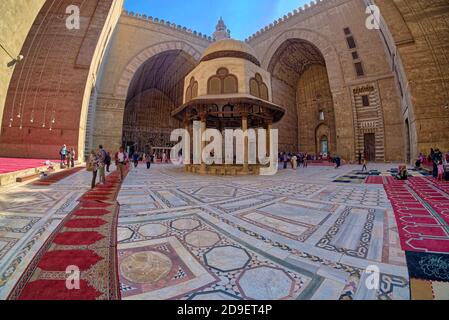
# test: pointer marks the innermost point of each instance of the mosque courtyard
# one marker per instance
(314, 233)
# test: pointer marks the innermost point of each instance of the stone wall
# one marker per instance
(416, 39)
(47, 101)
(322, 24)
(16, 18)
(406, 63)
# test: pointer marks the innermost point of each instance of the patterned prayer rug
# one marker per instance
(421, 214)
(56, 177)
(85, 242)
(429, 275)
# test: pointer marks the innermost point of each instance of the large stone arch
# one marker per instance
(111, 107)
(121, 88)
(329, 52)
(344, 117)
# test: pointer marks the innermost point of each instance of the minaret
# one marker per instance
(221, 31)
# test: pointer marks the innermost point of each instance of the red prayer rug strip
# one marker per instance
(420, 208)
(87, 240)
(56, 177)
(8, 165)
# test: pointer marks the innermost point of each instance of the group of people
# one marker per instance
(67, 157)
(294, 159)
(147, 158)
(437, 160)
(302, 159)
(99, 163)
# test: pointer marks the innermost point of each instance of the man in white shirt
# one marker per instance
(120, 160)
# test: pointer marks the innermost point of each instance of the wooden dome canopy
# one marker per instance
(229, 110)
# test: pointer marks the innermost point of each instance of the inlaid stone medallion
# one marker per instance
(202, 239)
(227, 258)
(152, 230)
(146, 267)
(185, 224)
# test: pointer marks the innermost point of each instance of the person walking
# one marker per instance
(148, 160)
(92, 165)
(285, 160)
(364, 168)
(136, 159)
(102, 154)
(120, 161)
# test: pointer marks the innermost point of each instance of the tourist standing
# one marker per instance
(337, 162)
(73, 153)
(285, 160)
(294, 162)
(164, 157)
(63, 154)
(440, 171)
(120, 161)
(148, 160)
(69, 159)
(108, 161)
(306, 160)
(92, 165)
(436, 158)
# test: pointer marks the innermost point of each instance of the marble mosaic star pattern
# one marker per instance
(296, 235)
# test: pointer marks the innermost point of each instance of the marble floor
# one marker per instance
(296, 235)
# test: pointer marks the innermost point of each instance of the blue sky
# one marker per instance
(243, 17)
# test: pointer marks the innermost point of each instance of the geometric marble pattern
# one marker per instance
(296, 235)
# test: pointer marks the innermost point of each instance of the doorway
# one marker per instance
(370, 146)
(324, 143)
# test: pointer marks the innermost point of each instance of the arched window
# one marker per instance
(222, 83)
(192, 90)
(228, 110)
(258, 88)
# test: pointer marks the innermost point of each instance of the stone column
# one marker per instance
(269, 127)
(245, 142)
(203, 119)
(187, 128)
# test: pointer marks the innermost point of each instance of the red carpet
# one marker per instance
(56, 177)
(375, 180)
(8, 165)
(421, 213)
(87, 239)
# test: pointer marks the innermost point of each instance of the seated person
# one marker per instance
(418, 163)
(403, 174)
